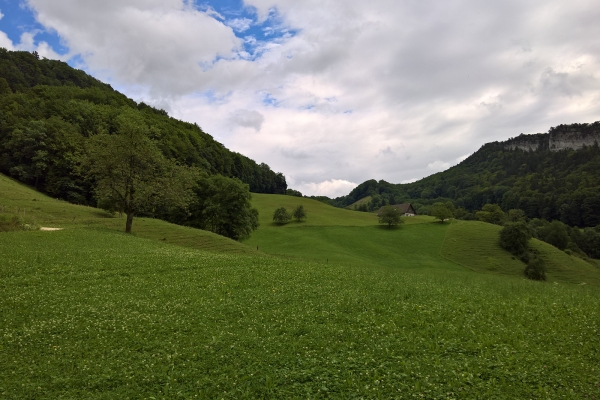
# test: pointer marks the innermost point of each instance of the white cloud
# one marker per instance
(331, 188)
(380, 89)
(5, 41)
(239, 24)
(248, 119)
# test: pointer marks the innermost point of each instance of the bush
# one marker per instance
(555, 233)
(536, 269)
(299, 214)
(441, 211)
(13, 222)
(514, 237)
(281, 216)
(390, 216)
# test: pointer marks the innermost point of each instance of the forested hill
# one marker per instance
(48, 110)
(552, 176)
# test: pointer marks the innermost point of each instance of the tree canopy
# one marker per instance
(50, 110)
(130, 172)
(390, 215)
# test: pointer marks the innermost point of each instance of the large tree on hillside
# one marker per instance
(130, 171)
(389, 215)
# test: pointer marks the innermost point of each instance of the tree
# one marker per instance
(556, 234)
(281, 216)
(130, 171)
(491, 213)
(514, 237)
(536, 269)
(222, 205)
(389, 215)
(292, 192)
(441, 211)
(516, 215)
(299, 214)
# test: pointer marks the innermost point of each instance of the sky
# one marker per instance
(335, 92)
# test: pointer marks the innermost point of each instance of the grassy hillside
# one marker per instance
(355, 238)
(364, 200)
(475, 245)
(49, 212)
(92, 313)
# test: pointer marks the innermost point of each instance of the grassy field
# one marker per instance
(354, 238)
(49, 212)
(90, 313)
(332, 307)
(474, 245)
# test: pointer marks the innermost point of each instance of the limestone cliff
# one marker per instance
(562, 137)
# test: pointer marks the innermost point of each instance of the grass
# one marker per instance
(364, 200)
(354, 238)
(474, 245)
(91, 313)
(332, 307)
(46, 211)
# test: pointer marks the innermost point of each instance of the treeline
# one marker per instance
(49, 110)
(562, 185)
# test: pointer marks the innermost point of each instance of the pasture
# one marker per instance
(332, 307)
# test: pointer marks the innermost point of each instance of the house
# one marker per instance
(405, 209)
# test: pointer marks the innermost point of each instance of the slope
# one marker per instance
(475, 245)
(98, 314)
(331, 234)
(48, 212)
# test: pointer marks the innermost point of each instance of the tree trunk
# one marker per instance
(129, 222)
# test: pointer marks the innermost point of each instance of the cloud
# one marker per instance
(248, 119)
(426, 82)
(239, 24)
(330, 188)
(5, 41)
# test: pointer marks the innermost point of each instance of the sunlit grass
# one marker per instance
(88, 313)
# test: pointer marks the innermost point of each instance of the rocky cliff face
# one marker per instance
(562, 137)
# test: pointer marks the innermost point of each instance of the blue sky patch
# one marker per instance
(18, 19)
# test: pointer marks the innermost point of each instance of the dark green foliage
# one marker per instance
(516, 215)
(536, 269)
(390, 216)
(13, 222)
(441, 211)
(590, 242)
(49, 110)
(514, 237)
(292, 192)
(299, 213)
(546, 184)
(492, 214)
(222, 205)
(555, 233)
(281, 216)
(131, 175)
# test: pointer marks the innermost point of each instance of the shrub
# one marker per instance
(389, 215)
(536, 269)
(441, 211)
(299, 213)
(281, 216)
(555, 233)
(12, 222)
(514, 237)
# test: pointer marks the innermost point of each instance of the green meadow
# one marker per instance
(332, 307)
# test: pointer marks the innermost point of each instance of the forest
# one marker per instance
(552, 185)
(49, 110)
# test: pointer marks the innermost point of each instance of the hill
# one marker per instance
(49, 110)
(347, 237)
(16, 198)
(550, 176)
(90, 312)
